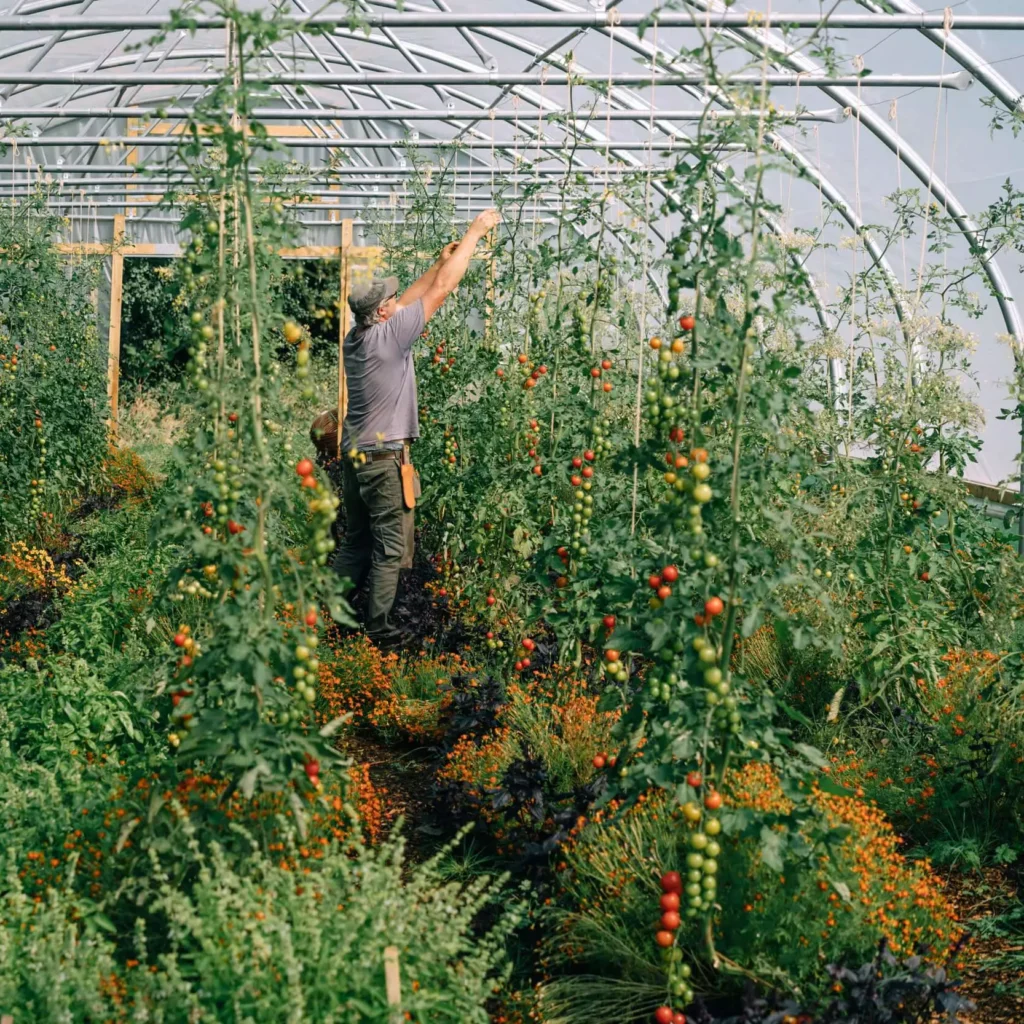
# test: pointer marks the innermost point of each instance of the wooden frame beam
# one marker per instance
(114, 332)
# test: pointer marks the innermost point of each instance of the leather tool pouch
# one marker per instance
(410, 485)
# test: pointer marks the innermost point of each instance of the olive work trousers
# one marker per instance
(378, 540)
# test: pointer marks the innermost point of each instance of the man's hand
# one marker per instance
(485, 222)
(453, 265)
(446, 252)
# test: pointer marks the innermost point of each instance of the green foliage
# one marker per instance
(154, 325)
(52, 377)
(245, 673)
(841, 887)
(155, 328)
(252, 941)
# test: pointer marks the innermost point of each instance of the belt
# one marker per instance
(380, 456)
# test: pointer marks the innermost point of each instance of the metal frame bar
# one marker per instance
(317, 142)
(833, 115)
(958, 80)
(910, 158)
(409, 18)
(964, 55)
(372, 175)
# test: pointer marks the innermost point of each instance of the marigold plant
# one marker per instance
(780, 923)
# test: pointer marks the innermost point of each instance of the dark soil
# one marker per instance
(36, 610)
(423, 619)
(993, 965)
(406, 779)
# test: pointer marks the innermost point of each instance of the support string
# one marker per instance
(642, 326)
(947, 27)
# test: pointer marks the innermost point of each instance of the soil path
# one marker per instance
(993, 959)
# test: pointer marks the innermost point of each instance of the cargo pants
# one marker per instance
(379, 539)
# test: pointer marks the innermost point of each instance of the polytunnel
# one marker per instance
(898, 103)
(872, 98)
(511, 511)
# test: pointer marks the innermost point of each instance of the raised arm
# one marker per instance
(454, 269)
(419, 287)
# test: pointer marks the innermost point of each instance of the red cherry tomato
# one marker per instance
(664, 592)
(609, 621)
(589, 455)
(663, 1015)
(654, 581)
(588, 472)
(669, 901)
(687, 323)
(713, 800)
(694, 779)
(180, 639)
(671, 882)
(670, 920)
(664, 939)
(670, 574)
(577, 462)
(713, 606)
(599, 762)
(311, 619)
(304, 467)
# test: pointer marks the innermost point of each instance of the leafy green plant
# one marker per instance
(243, 678)
(53, 433)
(254, 941)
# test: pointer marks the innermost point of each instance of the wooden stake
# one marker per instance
(491, 291)
(343, 323)
(393, 984)
(114, 334)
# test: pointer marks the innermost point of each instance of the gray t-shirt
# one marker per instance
(382, 380)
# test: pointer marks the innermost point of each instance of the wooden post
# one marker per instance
(114, 335)
(393, 985)
(343, 323)
(491, 291)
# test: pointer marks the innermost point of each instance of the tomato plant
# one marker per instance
(53, 413)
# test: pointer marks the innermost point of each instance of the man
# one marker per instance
(382, 421)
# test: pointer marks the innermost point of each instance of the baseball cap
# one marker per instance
(366, 296)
